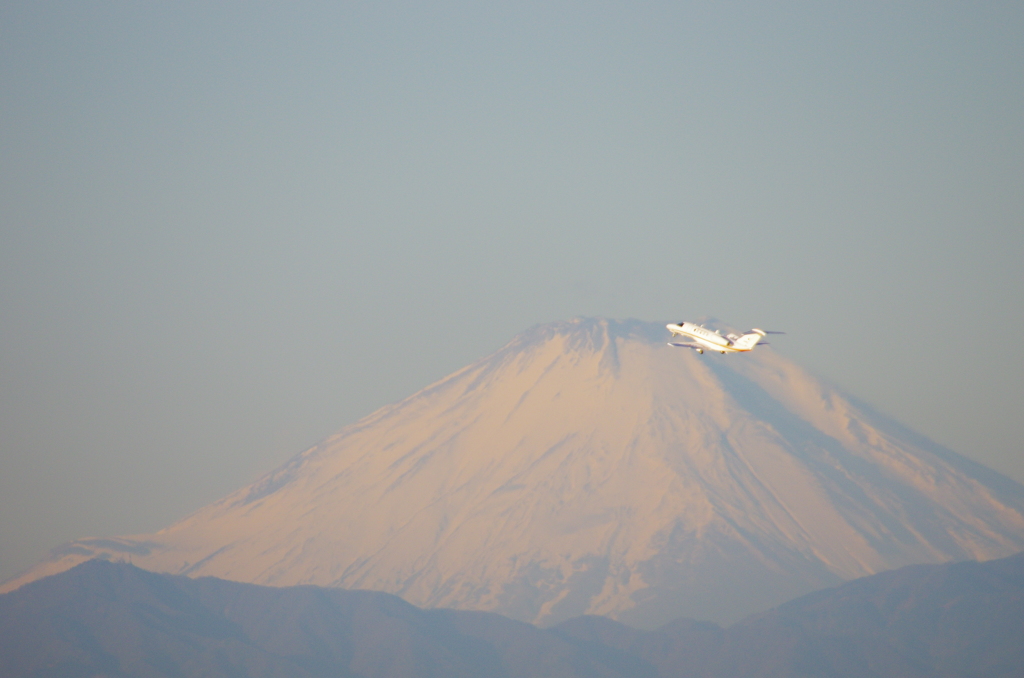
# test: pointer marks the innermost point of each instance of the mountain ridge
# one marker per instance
(103, 618)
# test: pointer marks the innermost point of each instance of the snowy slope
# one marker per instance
(587, 467)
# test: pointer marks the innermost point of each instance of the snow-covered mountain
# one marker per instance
(586, 467)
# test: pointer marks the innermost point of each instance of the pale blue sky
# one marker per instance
(227, 231)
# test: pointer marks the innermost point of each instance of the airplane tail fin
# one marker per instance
(749, 340)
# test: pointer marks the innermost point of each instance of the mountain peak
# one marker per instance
(588, 468)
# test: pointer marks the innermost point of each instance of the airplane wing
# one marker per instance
(682, 345)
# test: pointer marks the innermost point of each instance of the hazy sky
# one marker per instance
(229, 229)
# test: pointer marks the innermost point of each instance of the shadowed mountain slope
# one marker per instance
(921, 621)
(588, 468)
(113, 619)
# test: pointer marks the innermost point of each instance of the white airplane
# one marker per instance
(705, 339)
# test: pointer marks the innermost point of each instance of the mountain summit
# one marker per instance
(588, 468)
